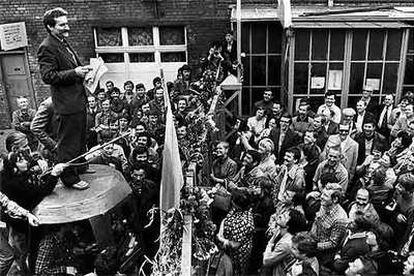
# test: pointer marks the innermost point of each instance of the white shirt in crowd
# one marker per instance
(359, 122)
(324, 109)
(387, 111)
(256, 126)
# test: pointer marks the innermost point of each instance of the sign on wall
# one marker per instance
(13, 36)
(335, 80)
(317, 82)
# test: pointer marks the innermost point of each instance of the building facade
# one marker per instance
(339, 47)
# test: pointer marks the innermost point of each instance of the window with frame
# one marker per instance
(141, 44)
(375, 61)
(344, 61)
(262, 44)
(318, 54)
(136, 52)
(409, 64)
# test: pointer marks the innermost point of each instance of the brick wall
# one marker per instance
(205, 20)
(4, 108)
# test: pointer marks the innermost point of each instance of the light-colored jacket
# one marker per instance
(277, 256)
(401, 124)
(349, 150)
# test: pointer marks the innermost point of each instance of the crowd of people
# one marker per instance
(317, 191)
(134, 115)
(324, 191)
(329, 192)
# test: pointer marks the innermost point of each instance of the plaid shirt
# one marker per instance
(329, 227)
(53, 257)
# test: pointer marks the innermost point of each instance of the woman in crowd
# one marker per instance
(236, 232)
(13, 210)
(26, 181)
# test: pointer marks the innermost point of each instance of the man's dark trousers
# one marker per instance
(71, 143)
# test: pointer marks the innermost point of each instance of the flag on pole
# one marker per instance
(284, 12)
(172, 175)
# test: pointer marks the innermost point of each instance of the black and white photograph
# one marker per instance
(206, 137)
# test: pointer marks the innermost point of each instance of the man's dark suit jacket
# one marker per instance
(322, 138)
(379, 142)
(372, 106)
(368, 116)
(57, 68)
(232, 55)
(333, 128)
(384, 130)
(291, 139)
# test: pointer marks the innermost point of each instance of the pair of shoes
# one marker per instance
(81, 185)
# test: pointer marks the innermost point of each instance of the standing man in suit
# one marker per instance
(349, 149)
(385, 116)
(61, 68)
(230, 47)
(362, 115)
(371, 103)
(284, 137)
(369, 140)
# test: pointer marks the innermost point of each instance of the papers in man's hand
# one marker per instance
(92, 77)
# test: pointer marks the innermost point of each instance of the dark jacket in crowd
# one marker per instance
(26, 189)
(291, 139)
(354, 247)
(68, 91)
(379, 142)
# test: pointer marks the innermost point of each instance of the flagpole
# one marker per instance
(238, 40)
(170, 188)
(284, 13)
